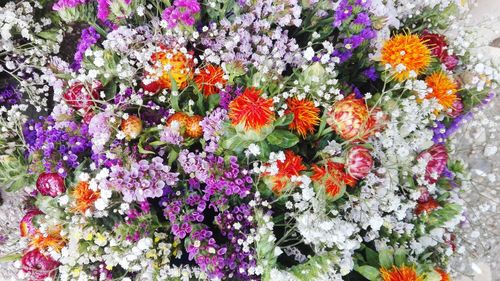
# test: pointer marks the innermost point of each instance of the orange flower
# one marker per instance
(444, 90)
(403, 273)
(351, 119)
(52, 239)
(444, 274)
(131, 127)
(180, 117)
(84, 197)
(292, 166)
(409, 51)
(251, 110)
(427, 206)
(305, 115)
(333, 177)
(193, 127)
(210, 80)
(176, 66)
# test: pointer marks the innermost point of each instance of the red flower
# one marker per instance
(38, 266)
(26, 225)
(251, 110)
(193, 127)
(50, 184)
(438, 157)
(210, 80)
(80, 96)
(439, 48)
(333, 177)
(427, 207)
(359, 162)
(291, 166)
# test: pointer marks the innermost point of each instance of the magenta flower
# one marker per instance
(26, 225)
(438, 157)
(181, 10)
(359, 162)
(50, 184)
(38, 266)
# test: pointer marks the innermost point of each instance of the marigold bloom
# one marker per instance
(176, 66)
(351, 119)
(251, 110)
(444, 89)
(305, 116)
(292, 166)
(210, 80)
(444, 274)
(333, 177)
(403, 273)
(51, 239)
(193, 127)
(84, 197)
(409, 51)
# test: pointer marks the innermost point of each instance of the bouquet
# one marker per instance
(237, 140)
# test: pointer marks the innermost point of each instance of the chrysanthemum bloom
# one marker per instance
(333, 178)
(290, 167)
(444, 89)
(50, 184)
(444, 274)
(193, 127)
(38, 266)
(26, 225)
(131, 127)
(305, 116)
(427, 206)
(359, 162)
(251, 114)
(437, 157)
(51, 239)
(175, 66)
(84, 197)
(406, 54)
(351, 119)
(403, 273)
(210, 80)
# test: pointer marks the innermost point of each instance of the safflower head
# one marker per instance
(444, 89)
(84, 197)
(291, 166)
(210, 80)
(305, 116)
(407, 54)
(333, 178)
(403, 273)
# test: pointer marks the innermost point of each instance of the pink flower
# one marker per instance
(38, 266)
(80, 96)
(438, 157)
(359, 162)
(181, 10)
(50, 184)
(26, 225)
(456, 109)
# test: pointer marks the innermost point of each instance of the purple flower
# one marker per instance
(9, 96)
(64, 4)
(88, 38)
(343, 12)
(212, 126)
(371, 73)
(103, 7)
(181, 10)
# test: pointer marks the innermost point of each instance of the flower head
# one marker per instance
(84, 197)
(38, 266)
(403, 273)
(50, 184)
(407, 52)
(427, 206)
(175, 66)
(251, 110)
(132, 127)
(444, 89)
(291, 166)
(305, 116)
(52, 239)
(359, 162)
(26, 226)
(210, 80)
(193, 127)
(333, 178)
(444, 274)
(437, 157)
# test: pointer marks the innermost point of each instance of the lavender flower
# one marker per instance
(194, 164)
(103, 7)
(181, 11)
(100, 130)
(64, 4)
(9, 96)
(88, 38)
(212, 126)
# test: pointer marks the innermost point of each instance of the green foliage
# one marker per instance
(14, 173)
(283, 138)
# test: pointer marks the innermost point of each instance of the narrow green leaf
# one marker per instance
(369, 272)
(10, 258)
(386, 258)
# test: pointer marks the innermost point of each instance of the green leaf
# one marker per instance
(400, 257)
(10, 258)
(386, 258)
(283, 138)
(284, 120)
(233, 143)
(172, 156)
(369, 272)
(372, 257)
(213, 101)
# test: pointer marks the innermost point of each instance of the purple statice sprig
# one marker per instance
(65, 4)
(182, 11)
(9, 96)
(88, 38)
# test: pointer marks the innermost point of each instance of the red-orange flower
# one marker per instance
(210, 80)
(351, 119)
(84, 197)
(444, 89)
(292, 166)
(193, 127)
(51, 239)
(251, 110)
(409, 51)
(175, 66)
(131, 127)
(427, 206)
(305, 116)
(403, 273)
(333, 177)
(444, 274)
